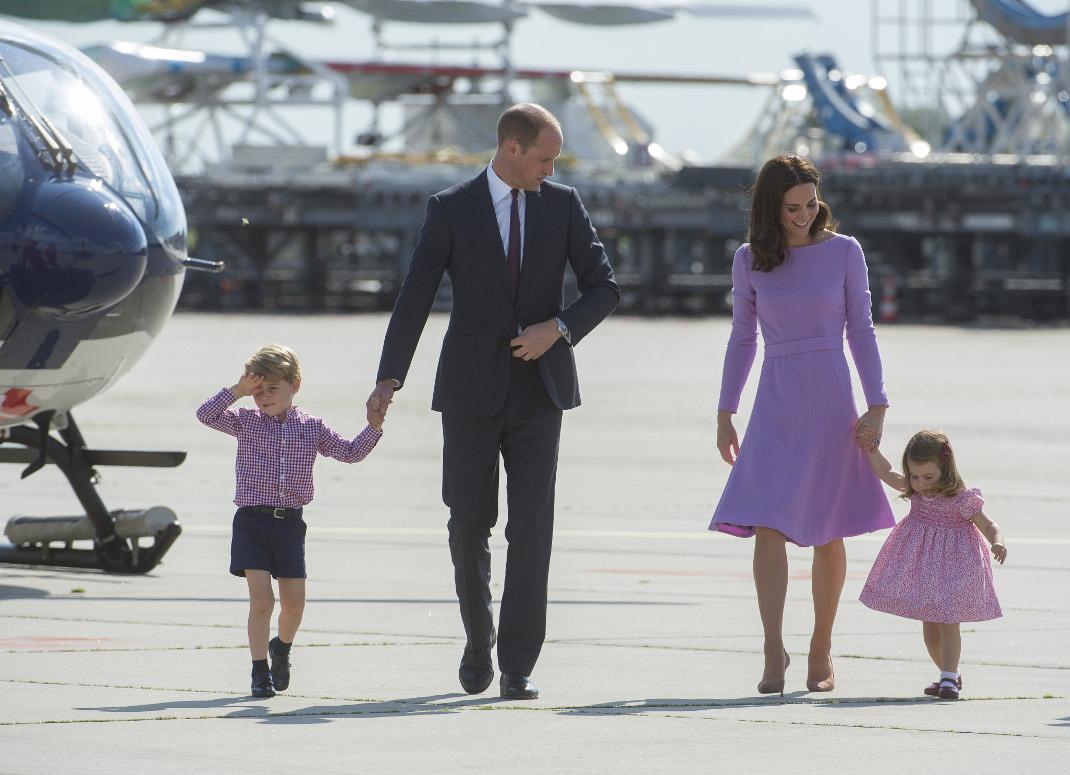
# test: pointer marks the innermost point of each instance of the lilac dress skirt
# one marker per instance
(799, 470)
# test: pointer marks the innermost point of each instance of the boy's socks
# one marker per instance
(260, 666)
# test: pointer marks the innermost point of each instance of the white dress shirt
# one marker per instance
(502, 198)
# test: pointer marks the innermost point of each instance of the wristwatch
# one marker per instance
(563, 330)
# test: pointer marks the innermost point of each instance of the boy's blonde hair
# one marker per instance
(275, 361)
(933, 447)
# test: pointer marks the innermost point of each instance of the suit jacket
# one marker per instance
(460, 236)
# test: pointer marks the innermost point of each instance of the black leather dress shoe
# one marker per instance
(518, 687)
(477, 670)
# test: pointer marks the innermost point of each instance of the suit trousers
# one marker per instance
(525, 434)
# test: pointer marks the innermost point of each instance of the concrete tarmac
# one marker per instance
(654, 643)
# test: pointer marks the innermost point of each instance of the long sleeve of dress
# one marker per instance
(743, 341)
(861, 337)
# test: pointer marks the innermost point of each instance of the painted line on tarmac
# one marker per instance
(677, 535)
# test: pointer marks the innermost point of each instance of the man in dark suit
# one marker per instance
(505, 374)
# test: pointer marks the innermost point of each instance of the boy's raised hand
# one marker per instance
(247, 385)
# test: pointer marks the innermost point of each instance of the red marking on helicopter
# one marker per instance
(14, 404)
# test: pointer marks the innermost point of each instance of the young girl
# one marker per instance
(934, 565)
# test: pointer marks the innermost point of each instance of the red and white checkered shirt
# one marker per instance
(274, 462)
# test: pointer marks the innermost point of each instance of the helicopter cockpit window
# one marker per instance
(12, 171)
(82, 117)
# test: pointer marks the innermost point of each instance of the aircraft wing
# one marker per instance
(387, 80)
(101, 10)
(150, 10)
(438, 11)
(592, 12)
(154, 74)
(723, 10)
(600, 12)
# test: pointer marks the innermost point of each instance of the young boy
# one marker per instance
(277, 445)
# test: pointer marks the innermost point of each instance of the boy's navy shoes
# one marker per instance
(262, 686)
(280, 664)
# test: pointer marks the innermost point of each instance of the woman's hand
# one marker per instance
(727, 441)
(870, 428)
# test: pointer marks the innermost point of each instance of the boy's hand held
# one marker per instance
(381, 398)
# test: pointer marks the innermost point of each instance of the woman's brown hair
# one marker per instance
(933, 447)
(765, 235)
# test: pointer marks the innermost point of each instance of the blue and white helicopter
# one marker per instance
(92, 259)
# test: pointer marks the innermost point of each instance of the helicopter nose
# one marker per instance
(82, 250)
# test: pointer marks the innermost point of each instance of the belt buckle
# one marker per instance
(275, 513)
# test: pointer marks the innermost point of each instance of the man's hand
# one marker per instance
(247, 385)
(378, 401)
(535, 340)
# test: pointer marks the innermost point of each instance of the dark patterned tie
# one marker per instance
(513, 254)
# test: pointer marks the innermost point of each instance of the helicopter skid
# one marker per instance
(34, 541)
(114, 534)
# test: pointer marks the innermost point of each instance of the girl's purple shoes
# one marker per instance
(933, 689)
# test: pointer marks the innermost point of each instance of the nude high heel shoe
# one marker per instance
(774, 685)
(826, 684)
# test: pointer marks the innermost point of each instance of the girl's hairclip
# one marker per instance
(945, 451)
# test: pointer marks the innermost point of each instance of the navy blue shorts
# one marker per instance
(259, 541)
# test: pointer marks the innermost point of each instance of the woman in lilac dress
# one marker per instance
(801, 473)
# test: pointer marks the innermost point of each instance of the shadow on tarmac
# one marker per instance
(155, 707)
(411, 706)
(790, 698)
(8, 592)
(250, 707)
